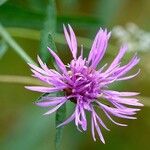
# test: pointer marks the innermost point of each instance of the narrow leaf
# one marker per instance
(40, 98)
(60, 116)
(49, 27)
(52, 45)
(47, 41)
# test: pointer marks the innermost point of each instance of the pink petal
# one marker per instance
(59, 63)
(44, 89)
(98, 129)
(129, 77)
(121, 53)
(71, 40)
(92, 129)
(99, 47)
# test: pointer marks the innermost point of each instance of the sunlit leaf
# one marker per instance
(2, 2)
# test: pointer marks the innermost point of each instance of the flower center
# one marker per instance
(85, 85)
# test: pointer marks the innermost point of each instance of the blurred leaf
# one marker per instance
(37, 5)
(60, 116)
(107, 10)
(2, 2)
(3, 48)
(28, 132)
(84, 22)
(49, 27)
(70, 2)
(11, 15)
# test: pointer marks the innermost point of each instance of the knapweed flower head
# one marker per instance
(86, 85)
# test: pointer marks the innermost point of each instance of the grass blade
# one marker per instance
(12, 43)
(3, 48)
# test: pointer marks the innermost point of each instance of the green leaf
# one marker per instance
(60, 116)
(3, 48)
(51, 44)
(48, 30)
(41, 97)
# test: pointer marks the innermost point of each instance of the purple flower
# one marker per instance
(86, 85)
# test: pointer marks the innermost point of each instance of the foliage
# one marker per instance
(26, 26)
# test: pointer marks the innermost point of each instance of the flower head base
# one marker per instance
(85, 85)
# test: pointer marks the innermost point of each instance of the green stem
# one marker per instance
(60, 117)
(12, 43)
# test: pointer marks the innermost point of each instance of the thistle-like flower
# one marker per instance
(86, 85)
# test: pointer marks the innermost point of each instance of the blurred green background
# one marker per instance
(28, 22)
